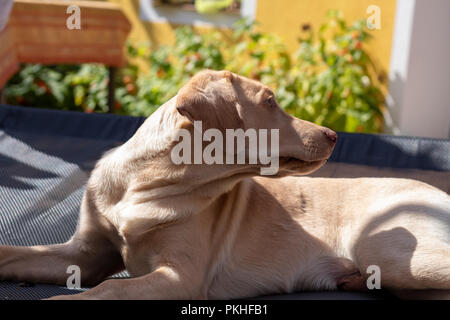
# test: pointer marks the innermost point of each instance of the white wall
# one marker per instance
(419, 76)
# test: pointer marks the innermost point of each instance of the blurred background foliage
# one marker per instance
(330, 80)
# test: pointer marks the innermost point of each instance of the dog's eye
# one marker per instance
(269, 101)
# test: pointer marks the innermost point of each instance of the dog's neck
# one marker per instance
(115, 171)
(155, 135)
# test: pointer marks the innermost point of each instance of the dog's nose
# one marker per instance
(330, 135)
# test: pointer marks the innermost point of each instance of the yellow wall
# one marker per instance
(284, 17)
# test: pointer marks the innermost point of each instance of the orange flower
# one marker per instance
(127, 79)
(131, 88)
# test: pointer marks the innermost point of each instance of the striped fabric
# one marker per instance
(21, 291)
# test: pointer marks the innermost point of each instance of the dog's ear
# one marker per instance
(193, 101)
(195, 106)
(228, 76)
(190, 103)
(211, 101)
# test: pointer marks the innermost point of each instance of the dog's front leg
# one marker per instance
(49, 264)
(163, 283)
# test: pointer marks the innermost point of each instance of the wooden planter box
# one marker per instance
(37, 33)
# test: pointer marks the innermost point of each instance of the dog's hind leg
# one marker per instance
(408, 262)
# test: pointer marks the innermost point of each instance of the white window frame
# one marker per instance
(165, 14)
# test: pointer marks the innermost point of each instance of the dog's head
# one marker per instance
(222, 100)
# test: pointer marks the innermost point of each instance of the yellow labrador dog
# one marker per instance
(221, 231)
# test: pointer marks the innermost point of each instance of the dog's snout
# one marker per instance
(331, 135)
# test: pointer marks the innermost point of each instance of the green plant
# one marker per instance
(330, 80)
(81, 88)
(170, 68)
(333, 79)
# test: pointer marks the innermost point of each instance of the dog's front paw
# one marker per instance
(352, 282)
